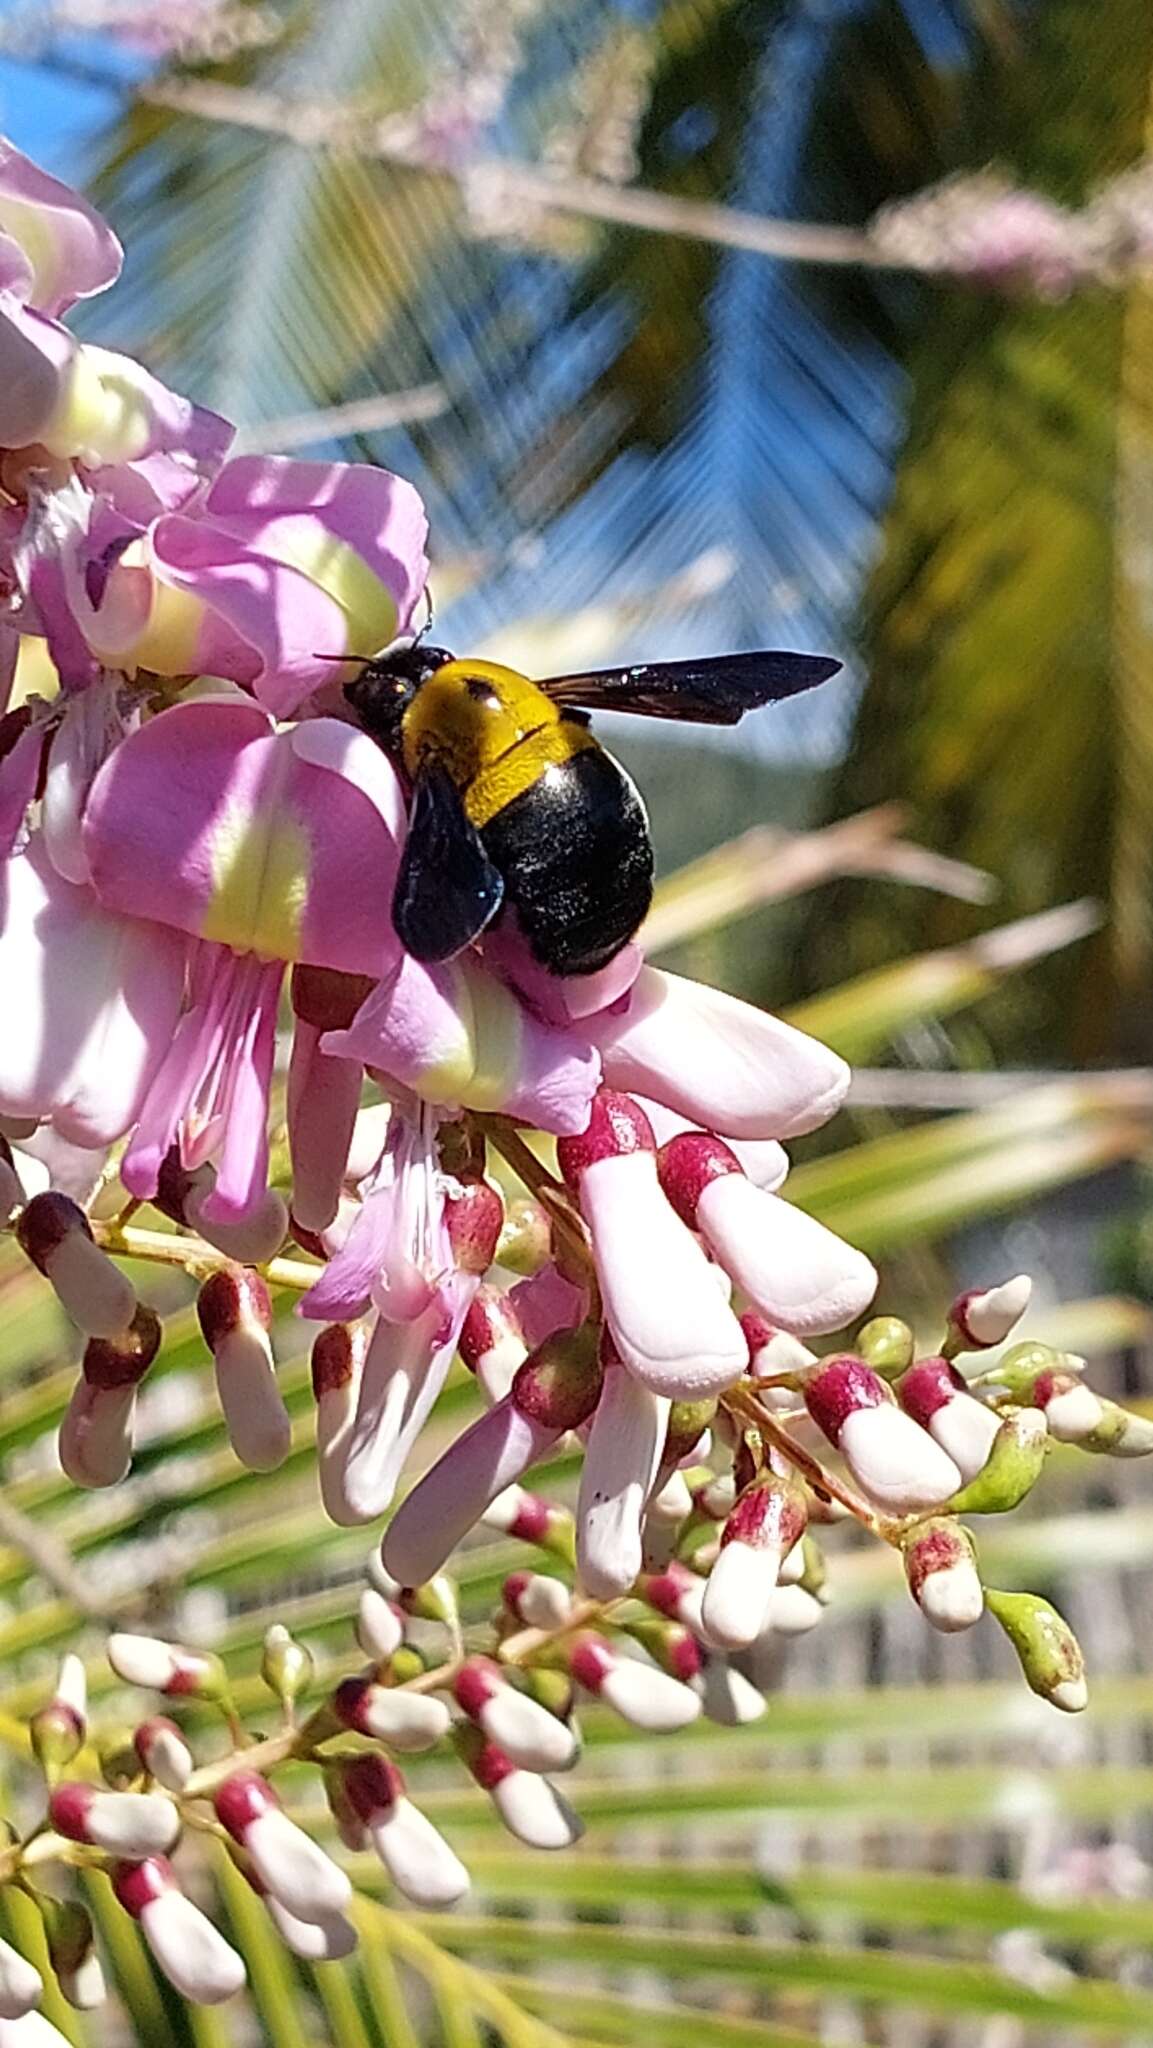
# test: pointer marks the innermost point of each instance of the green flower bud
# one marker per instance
(119, 1762)
(1021, 1367)
(434, 1601)
(1119, 1434)
(1012, 1469)
(67, 1930)
(687, 1423)
(57, 1731)
(286, 1666)
(1050, 1654)
(815, 1576)
(549, 1688)
(888, 1345)
(669, 1644)
(526, 1237)
(405, 1664)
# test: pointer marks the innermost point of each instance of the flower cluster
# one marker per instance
(730, 1564)
(573, 1182)
(193, 822)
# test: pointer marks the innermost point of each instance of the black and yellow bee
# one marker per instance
(515, 804)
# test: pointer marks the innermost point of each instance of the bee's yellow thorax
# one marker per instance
(493, 730)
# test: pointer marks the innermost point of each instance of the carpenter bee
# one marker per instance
(514, 804)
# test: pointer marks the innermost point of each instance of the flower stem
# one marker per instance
(549, 1191)
(171, 1248)
(742, 1401)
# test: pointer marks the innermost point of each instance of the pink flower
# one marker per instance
(54, 249)
(284, 567)
(269, 849)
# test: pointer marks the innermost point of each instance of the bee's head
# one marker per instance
(382, 692)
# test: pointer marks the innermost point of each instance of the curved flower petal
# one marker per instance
(21, 752)
(287, 566)
(99, 996)
(405, 1367)
(36, 355)
(92, 724)
(283, 844)
(454, 1035)
(91, 404)
(717, 1061)
(308, 512)
(69, 252)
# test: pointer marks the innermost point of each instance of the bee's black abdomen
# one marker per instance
(577, 861)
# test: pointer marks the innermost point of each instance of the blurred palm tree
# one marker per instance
(598, 408)
(1007, 625)
(635, 441)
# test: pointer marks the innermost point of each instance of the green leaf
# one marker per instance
(924, 1982)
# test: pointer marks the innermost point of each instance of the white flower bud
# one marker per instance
(379, 1626)
(639, 1693)
(325, 1940)
(21, 1986)
(534, 1811)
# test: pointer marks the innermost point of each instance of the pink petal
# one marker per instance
(455, 1036)
(9, 656)
(558, 999)
(454, 1493)
(99, 1000)
(718, 1062)
(268, 625)
(92, 724)
(70, 251)
(379, 515)
(36, 355)
(296, 562)
(546, 1302)
(404, 1371)
(323, 1100)
(21, 753)
(279, 843)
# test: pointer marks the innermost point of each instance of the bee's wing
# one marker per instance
(447, 889)
(714, 690)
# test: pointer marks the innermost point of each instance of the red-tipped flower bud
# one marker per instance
(491, 1342)
(288, 1862)
(415, 1855)
(164, 1753)
(985, 1316)
(57, 1237)
(639, 1694)
(934, 1393)
(672, 1329)
(408, 1721)
(797, 1273)
(895, 1461)
(473, 1219)
(941, 1568)
(127, 1823)
(527, 1732)
(235, 1313)
(192, 1953)
(766, 1522)
(531, 1809)
(167, 1667)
